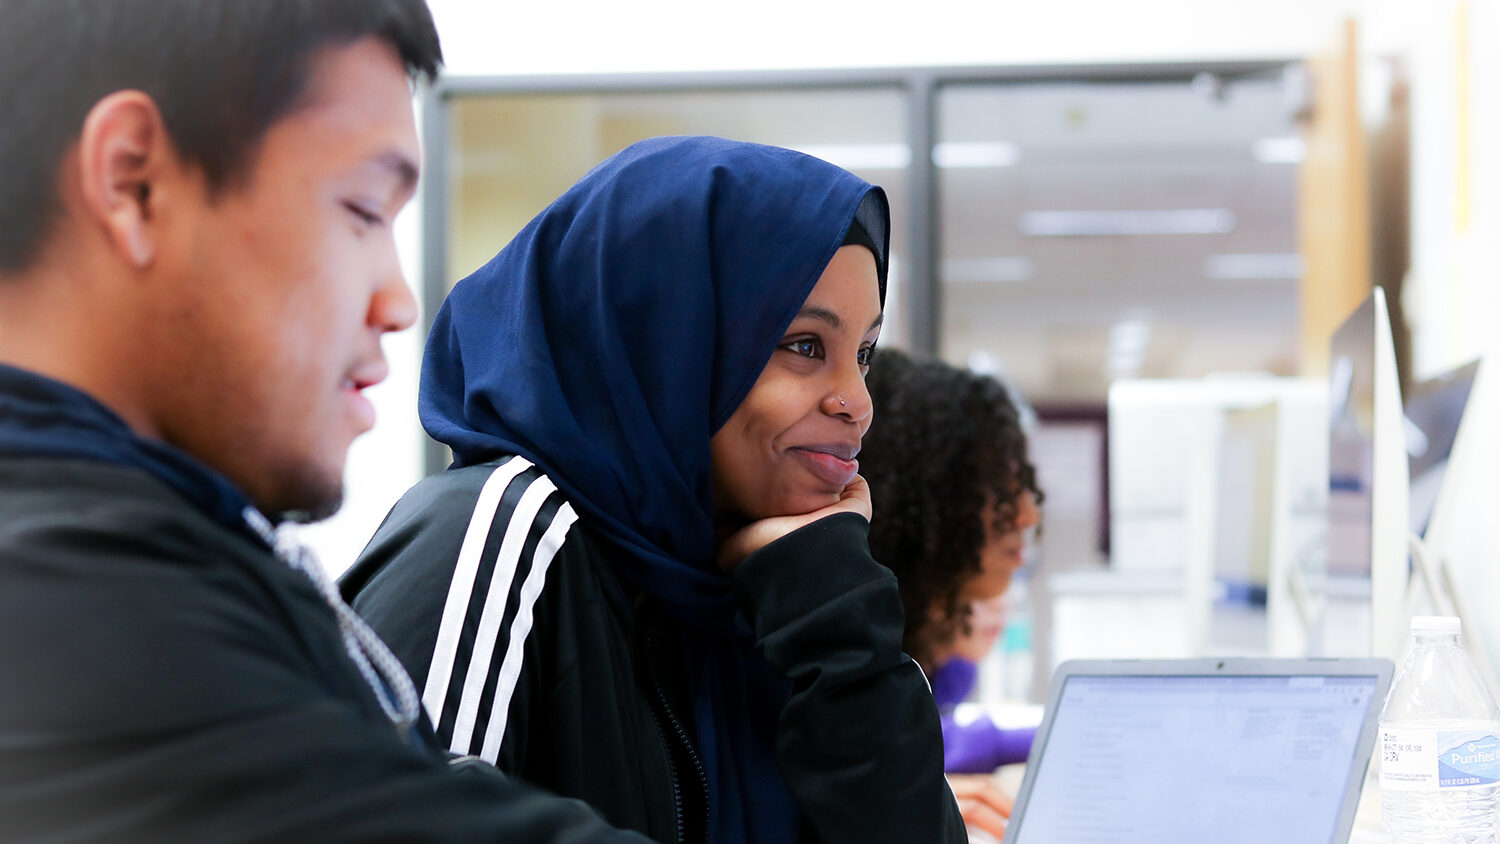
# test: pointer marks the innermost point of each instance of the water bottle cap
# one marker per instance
(1436, 624)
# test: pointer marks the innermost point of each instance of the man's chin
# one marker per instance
(310, 515)
(313, 499)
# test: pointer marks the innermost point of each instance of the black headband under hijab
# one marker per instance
(871, 215)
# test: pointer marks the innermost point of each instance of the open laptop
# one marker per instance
(1186, 751)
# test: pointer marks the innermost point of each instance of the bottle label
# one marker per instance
(1416, 759)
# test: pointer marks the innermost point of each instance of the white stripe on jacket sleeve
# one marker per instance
(450, 630)
(510, 669)
(506, 563)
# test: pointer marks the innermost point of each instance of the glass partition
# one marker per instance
(511, 154)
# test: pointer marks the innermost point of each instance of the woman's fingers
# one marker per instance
(983, 804)
(854, 498)
(982, 816)
(981, 787)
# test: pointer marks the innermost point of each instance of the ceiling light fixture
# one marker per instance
(958, 154)
(861, 156)
(1110, 223)
(1254, 266)
(1291, 150)
(1002, 268)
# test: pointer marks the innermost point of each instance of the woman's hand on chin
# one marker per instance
(752, 537)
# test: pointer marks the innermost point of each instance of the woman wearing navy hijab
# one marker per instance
(644, 581)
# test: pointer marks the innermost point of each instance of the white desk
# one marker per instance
(1367, 826)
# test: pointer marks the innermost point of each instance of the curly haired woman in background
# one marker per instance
(958, 500)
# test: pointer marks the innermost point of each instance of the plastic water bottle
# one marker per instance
(1439, 744)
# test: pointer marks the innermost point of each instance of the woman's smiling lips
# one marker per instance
(832, 463)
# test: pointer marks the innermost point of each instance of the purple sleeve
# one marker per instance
(952, 682)
(980, 746)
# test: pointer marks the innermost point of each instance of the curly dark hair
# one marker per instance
(945, 443)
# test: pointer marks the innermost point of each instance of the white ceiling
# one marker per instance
(1120, 147)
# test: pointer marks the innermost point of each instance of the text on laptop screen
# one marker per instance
(1190, 759)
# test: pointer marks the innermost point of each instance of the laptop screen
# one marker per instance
(1188, 759)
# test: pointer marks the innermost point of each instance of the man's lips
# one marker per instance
(366, 375)
(834, 463)
(353, 386)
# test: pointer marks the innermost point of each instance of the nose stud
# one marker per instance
(842, 403)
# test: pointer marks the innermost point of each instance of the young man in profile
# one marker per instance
(196, 269)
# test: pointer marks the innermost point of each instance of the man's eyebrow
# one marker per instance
(401, 166)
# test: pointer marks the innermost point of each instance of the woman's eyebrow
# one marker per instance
(825, 315)
(822, 314)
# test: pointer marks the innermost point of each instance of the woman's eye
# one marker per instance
(806, 347)
(866, 355)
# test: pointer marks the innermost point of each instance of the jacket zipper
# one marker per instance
(686, 745)
(672, 770)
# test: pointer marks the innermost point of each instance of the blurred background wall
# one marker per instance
(1090, 233)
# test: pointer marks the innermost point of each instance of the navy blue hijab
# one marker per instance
(608, 342)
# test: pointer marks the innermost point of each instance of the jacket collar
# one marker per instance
(42, 417)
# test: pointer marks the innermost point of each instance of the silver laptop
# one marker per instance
(1197, 750)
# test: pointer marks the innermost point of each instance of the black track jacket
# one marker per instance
(531, 653)
(166, 679)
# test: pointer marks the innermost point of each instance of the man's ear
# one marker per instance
(123, 152)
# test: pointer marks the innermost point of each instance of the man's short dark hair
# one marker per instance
(221, 71)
